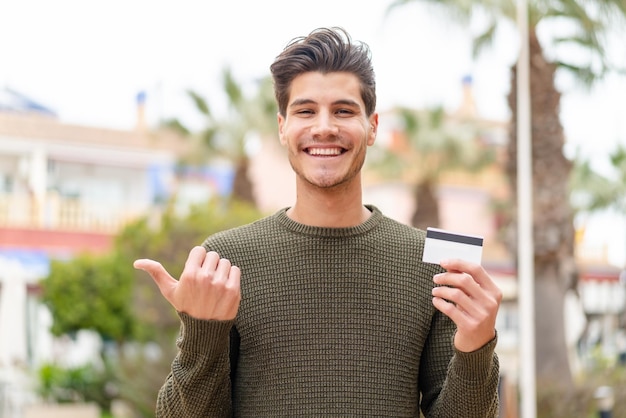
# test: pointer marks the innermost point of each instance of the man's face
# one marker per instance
(326, 130)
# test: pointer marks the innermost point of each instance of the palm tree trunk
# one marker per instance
(426, 206)
(243, 189)
(553, 228)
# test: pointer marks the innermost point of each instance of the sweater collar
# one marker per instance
(288, 223)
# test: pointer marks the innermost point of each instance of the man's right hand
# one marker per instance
(209, 287)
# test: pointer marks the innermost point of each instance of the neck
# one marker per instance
(332, 209)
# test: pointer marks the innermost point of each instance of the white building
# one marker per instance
(65, 189)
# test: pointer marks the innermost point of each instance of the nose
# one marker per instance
(324, 125)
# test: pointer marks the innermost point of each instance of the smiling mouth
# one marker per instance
(324, 152)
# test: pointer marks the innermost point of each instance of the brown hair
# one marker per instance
(325, 50)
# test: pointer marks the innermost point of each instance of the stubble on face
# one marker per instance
(326, 176)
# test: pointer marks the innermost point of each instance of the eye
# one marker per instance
(345, 112)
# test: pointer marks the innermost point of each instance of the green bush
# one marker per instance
(123, 305)
(86, 383)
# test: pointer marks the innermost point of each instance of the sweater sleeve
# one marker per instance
(470, 388)
(199, 382)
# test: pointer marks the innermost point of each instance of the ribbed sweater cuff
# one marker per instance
(202, 336)
(477, 365)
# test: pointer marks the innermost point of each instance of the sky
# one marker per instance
(88, 60)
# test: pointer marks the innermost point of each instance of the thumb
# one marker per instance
(161, 277)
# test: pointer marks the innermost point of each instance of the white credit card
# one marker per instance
(445, 245)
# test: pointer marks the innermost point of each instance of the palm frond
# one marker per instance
(176, 125)
(484, 39)
(593, 191)
(201, 104)
(585, 75)
(232, 88)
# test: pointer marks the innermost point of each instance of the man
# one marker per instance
(324, 308)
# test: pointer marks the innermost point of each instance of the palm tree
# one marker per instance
(595, 191)
(425, 146)
(228, 137)
(553, 229)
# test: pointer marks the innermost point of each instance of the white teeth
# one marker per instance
(324, 151)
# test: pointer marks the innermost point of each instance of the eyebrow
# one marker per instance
(347, 102)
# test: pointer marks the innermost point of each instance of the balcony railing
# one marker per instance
(55, 212)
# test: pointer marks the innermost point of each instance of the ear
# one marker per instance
(371, 135)
(281, 126)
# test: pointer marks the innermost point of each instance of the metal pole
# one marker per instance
(525, 269)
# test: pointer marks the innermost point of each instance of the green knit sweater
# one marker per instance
(332, 322)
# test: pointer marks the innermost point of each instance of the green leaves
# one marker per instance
(565, 24)
(86, 383)
(428, 144)
(594, 191)
(91, 292)
(105, 294)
